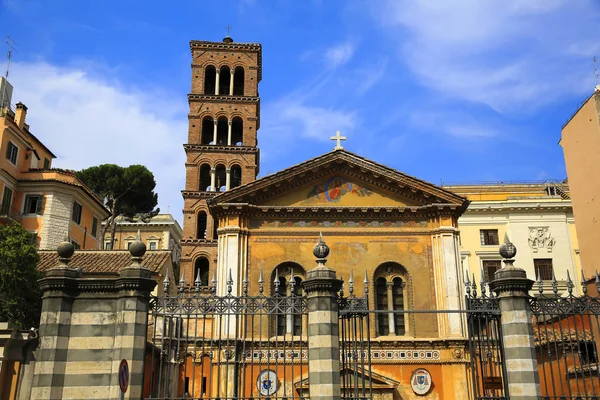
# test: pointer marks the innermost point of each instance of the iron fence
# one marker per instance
(206, 346)
(486, 350)
(565, 329)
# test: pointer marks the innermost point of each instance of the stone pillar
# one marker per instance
(58, 286)
(512, 287)
(322, 287)
(390, 304)
(213, 180)
(135, 284)
(218, 74)
(229, 122)
(88, 326)
(227, 179)
(215, 131)
(231, 83)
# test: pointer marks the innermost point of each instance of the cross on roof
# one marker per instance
(338, 139)
(228, 29)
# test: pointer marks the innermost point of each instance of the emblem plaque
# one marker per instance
(421, 381)
(267, 382)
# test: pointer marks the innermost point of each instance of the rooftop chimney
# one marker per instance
(20, 115)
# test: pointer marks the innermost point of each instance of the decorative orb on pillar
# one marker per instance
(508, 250)
(65, 251)
(321, 250)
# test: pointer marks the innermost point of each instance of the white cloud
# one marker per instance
(512, 55)
(86, 120)
(339, 55)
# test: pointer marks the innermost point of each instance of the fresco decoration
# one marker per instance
(337, 224)
(334, 189)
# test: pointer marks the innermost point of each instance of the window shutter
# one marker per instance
(40, 204)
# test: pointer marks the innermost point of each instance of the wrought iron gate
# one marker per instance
(355, 345)
(206, 346)
(488, 370)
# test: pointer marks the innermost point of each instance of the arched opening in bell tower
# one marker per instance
(222, 128)
(201, 225)
(236, 176)
(208, 129)
(224, 80)
(201, 268)
(238, 81)
(204, 177)
(237, 132)
(210, 79)
(220, 178)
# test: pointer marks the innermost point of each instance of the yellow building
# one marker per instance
(538, 218)
(50, 203)
(581, 146)
(161, 232)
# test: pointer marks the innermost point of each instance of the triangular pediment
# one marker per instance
(359, 375)
(340, 179)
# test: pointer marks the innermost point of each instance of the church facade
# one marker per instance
(399, 232)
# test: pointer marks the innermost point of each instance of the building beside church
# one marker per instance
(161, 232)
(400, 231)
(537, 217)
(580, 141)
(49, 202)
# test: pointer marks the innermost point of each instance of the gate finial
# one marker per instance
(261, 282)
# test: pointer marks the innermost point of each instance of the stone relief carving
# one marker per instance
(541, 238)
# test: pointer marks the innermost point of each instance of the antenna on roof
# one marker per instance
(596, 74)
(11, 46)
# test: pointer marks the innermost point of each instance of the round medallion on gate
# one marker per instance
(420, 381)
(267, 382)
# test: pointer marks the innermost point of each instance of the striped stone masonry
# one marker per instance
(88, 326)
(512, 287)
(321, 287)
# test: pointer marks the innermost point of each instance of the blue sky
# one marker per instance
(458, 91)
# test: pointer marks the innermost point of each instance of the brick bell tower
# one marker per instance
(222, 150)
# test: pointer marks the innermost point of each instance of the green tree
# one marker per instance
(126, 191)
(20, 295)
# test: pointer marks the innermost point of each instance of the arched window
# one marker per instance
(289, 322)
(237, 132)
(236, 176)
(222, 131)
(204, 177)
(201, 267)
(208, 131)
(238, 82)
(390, 293)
(224, 80)
(220, 178)
(201, 225)
(210, 80)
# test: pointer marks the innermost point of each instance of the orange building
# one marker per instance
(581, 146)
(50, 203)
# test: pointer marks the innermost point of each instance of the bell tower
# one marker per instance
(222, 148)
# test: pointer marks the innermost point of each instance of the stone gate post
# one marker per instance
(512, 286)
(322, 287)
(88, 325)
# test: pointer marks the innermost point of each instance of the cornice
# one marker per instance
(211, 148)
(486, 207)
(199, 242)
(339, 232)
(195, 194)
(217, 98)
(427, 211)
(229, 46)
